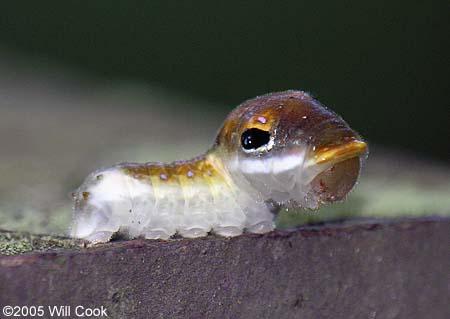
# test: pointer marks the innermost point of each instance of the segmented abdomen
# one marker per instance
(157, 201)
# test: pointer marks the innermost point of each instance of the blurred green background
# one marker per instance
(88, 84)
(383, 65)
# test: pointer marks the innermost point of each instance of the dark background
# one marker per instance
(383, 65)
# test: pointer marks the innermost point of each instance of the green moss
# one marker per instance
(12, 243)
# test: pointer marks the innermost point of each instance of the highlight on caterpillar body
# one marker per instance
(277, 150)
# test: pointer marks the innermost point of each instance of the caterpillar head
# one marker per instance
(288, 148)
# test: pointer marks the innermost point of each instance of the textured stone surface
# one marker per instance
(13, 243)
(372, 269)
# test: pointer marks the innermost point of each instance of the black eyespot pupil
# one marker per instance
(254, 138)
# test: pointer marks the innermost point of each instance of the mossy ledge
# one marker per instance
(14, 243)
(352, 269)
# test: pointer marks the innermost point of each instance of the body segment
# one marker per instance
(157, 201)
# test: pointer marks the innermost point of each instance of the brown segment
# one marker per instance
(292, 116)
(294, 120)
(334, 183)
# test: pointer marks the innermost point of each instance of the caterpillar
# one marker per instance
(277, 150)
